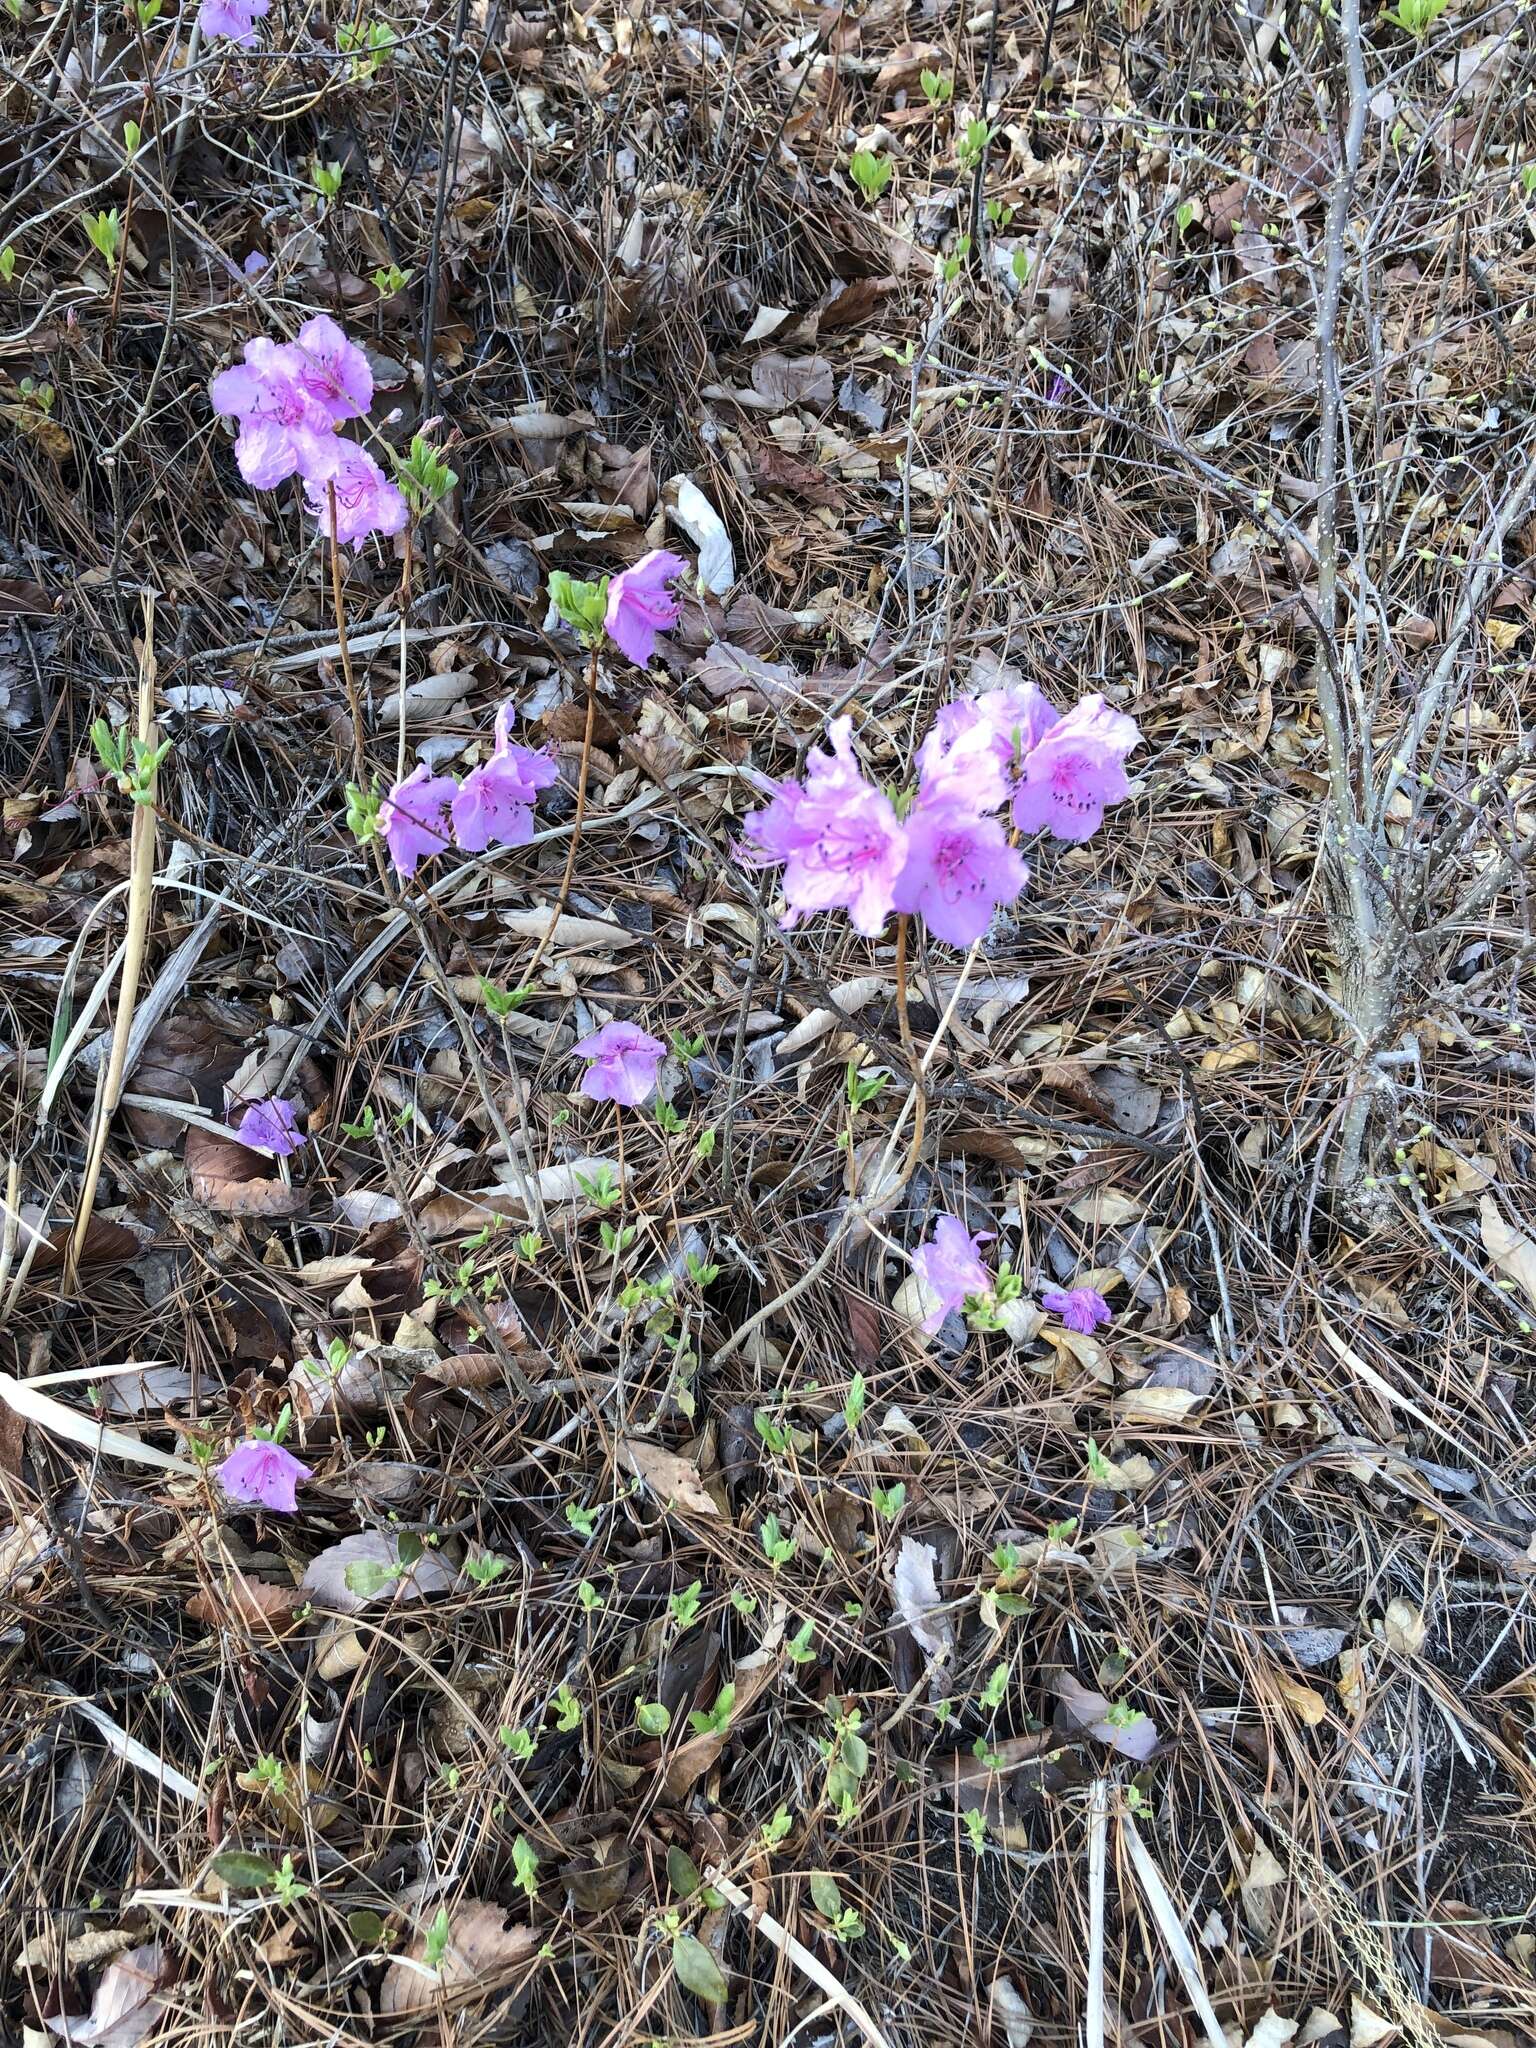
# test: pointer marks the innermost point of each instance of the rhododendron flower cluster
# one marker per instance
(263, 1474)
(623, 1063)
(272, 1125)
(947, 858)
(289, 399)
(956, 1276)
(232, 18)
(1081, 1309)
(492, 806)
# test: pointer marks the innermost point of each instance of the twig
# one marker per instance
(140, 898)
(1180, 1947)
(1098, 1856)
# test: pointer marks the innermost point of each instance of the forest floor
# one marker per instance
(579, 1701)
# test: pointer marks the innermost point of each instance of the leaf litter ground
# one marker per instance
(1169, 1679)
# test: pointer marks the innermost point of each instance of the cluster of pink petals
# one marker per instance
(289, 398)
(640, 606)
(950, 1265)
(492, 806)
(949, 861)
(232, 18)
(1081, 1309)
(623, 1063)
(263, 1474)
(272, 1125)
(838, 839)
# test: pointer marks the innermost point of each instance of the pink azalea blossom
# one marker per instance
(1074, 770)
(263, 1474)
(624, 1061)
(838, 837)
(494, 804)
(272, 1126)
(283, 430)
(413, 818)
(640, 606)
(959, 868)
(232, 18)
(1081, 1308)
(366, 501)
(950, 1266)
(1007, 723)
(331, 370)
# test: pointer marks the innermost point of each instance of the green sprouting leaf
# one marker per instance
(435, 1946)
(365, 1927)
(824, 1891)
(243, 1871)
(581, 605)
(854, 1405)
(367, 1578)
(871, 173)
(697, 1969)
(652, 1717)
(682, 1872)
(525, 1864)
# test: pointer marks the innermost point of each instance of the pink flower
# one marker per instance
(959, 869)
(366, 501)
(282, 429)
(624, 1062)
(264, 1474)
(494, 804)
(331, 370)
(255, 263)
(1077, 768)
(1080, 1308)
(640, 606)
(949, 1265)
(1007, 722)
(232, 18)
(838, 838)
(272, 1126)
(413, 818)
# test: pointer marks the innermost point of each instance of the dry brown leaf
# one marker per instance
(233, 1180)
(250, 1603)
(465, 1369)
(675, 1481)
(483, 1942)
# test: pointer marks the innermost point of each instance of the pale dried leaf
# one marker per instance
(1512, 1253)
(917, 1594)
(326, 1579)
(1013, 2024)
(126, 2009)
(1085, 1711)
(706, 529)
(1272, 2031)
(673, 1480)
(483, 1943)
